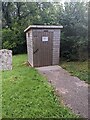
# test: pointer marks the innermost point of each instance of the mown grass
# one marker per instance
(27, 94)
(78, 69)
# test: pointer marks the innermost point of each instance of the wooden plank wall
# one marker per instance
(55, 46)
(43, 57)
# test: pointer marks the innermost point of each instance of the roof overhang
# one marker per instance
(43, 27)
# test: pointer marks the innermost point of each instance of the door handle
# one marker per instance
(36, 51)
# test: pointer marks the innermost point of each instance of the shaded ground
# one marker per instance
(73, 91)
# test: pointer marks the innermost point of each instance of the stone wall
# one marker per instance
(29, 47)
(56, 46)
(5, 59)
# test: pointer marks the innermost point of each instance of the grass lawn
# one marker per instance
(79, 69)
(27, 94)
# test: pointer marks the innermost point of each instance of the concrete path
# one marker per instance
(72, 90)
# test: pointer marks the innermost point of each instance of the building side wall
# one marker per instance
(56, 47)
(29, 47)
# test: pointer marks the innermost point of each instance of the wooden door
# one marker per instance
(43, 48)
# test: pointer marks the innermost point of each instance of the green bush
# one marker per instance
(74, 48)
(14, 40)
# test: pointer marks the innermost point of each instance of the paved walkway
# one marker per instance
(72, 90)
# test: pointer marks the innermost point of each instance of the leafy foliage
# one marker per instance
(73, 16)
(74, 41)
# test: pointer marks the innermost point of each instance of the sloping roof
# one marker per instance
(43, 26)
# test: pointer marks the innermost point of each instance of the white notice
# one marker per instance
(44, 38)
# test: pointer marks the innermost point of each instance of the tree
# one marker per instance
(75, 31)
(73, 16)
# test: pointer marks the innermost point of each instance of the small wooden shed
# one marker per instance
(43, 45)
